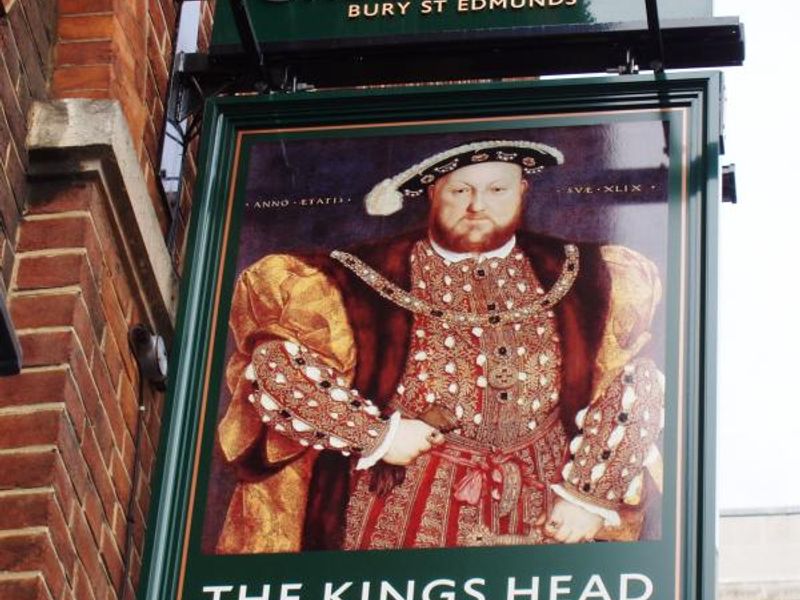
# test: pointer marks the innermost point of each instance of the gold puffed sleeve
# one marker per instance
(635, 293)
(280, 297)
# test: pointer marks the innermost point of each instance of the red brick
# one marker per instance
(43, 310)
(22, 510)
(121, 479)
(51, 270)
(33, 387)
(54, 232)
(76, 81)
(77, 7)
(93, 404)
(98, 26)
(37, 28)
(39, 509)
(30, 429)
(26, 469)
(99, 474)
(88, 550)
(33, 552)
(33, 63)
(55, 310)
(40, 348)
(119, 527)
(83, 53)
(48, 198)
(108, 396)
(9, 212)
(117, 324)
(74, 404)
(129, 402)
(69, 485)
(84, 588)
(113, 360)
(112, 557)
(93, 509)
(158, 65)
(24, 588)
(17, 176)
(61, 538)
(5, 130)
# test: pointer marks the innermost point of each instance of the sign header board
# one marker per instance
(281, 24)
(519, 273)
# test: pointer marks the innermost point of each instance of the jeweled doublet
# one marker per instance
(510, 347)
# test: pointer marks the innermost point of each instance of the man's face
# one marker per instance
(476, 208)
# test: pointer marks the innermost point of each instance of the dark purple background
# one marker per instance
(595, 155)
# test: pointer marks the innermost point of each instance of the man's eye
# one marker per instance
(459, 190)
(498, 189)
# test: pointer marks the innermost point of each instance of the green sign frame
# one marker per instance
(679, 563)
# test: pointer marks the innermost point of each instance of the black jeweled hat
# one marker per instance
(387, 197)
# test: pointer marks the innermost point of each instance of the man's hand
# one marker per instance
(413, 437)
(569, 523)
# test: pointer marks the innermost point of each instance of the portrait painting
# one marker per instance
(445, 335)
(446, 343)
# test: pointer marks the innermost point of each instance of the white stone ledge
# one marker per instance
(90, 138)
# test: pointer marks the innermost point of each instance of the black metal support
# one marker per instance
(658, 61)
(729, 184)
(247, 34)
(520, 52)
(10, 351)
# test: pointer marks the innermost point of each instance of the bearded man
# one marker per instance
(468, 385)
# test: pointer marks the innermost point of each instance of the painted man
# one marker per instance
(471, 384)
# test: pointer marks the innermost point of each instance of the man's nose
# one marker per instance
(477, 201)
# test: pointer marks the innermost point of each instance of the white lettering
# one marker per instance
(288, 588)
(555, 588)
(595, 588)
(365, 590)
(386, 589)
(217, 590)
(513, 592)
(445, 595)
(626, 578)
(469, 588)
(353, 11)
(330, 594)
(264, 593)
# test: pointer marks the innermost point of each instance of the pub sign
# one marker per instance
(446, 343)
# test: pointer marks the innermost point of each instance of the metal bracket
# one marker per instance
(10, 351)
(729, 184)
(656, 37)
(629, 67)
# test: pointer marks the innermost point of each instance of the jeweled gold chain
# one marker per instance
(405, 300)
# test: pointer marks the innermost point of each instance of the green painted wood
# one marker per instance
(313, 20)
(568, 102)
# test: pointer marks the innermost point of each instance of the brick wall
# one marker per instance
(68, 421)
(122, 50)
(26, 36)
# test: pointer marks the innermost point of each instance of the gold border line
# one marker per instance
(680, 508)
(349, 127)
